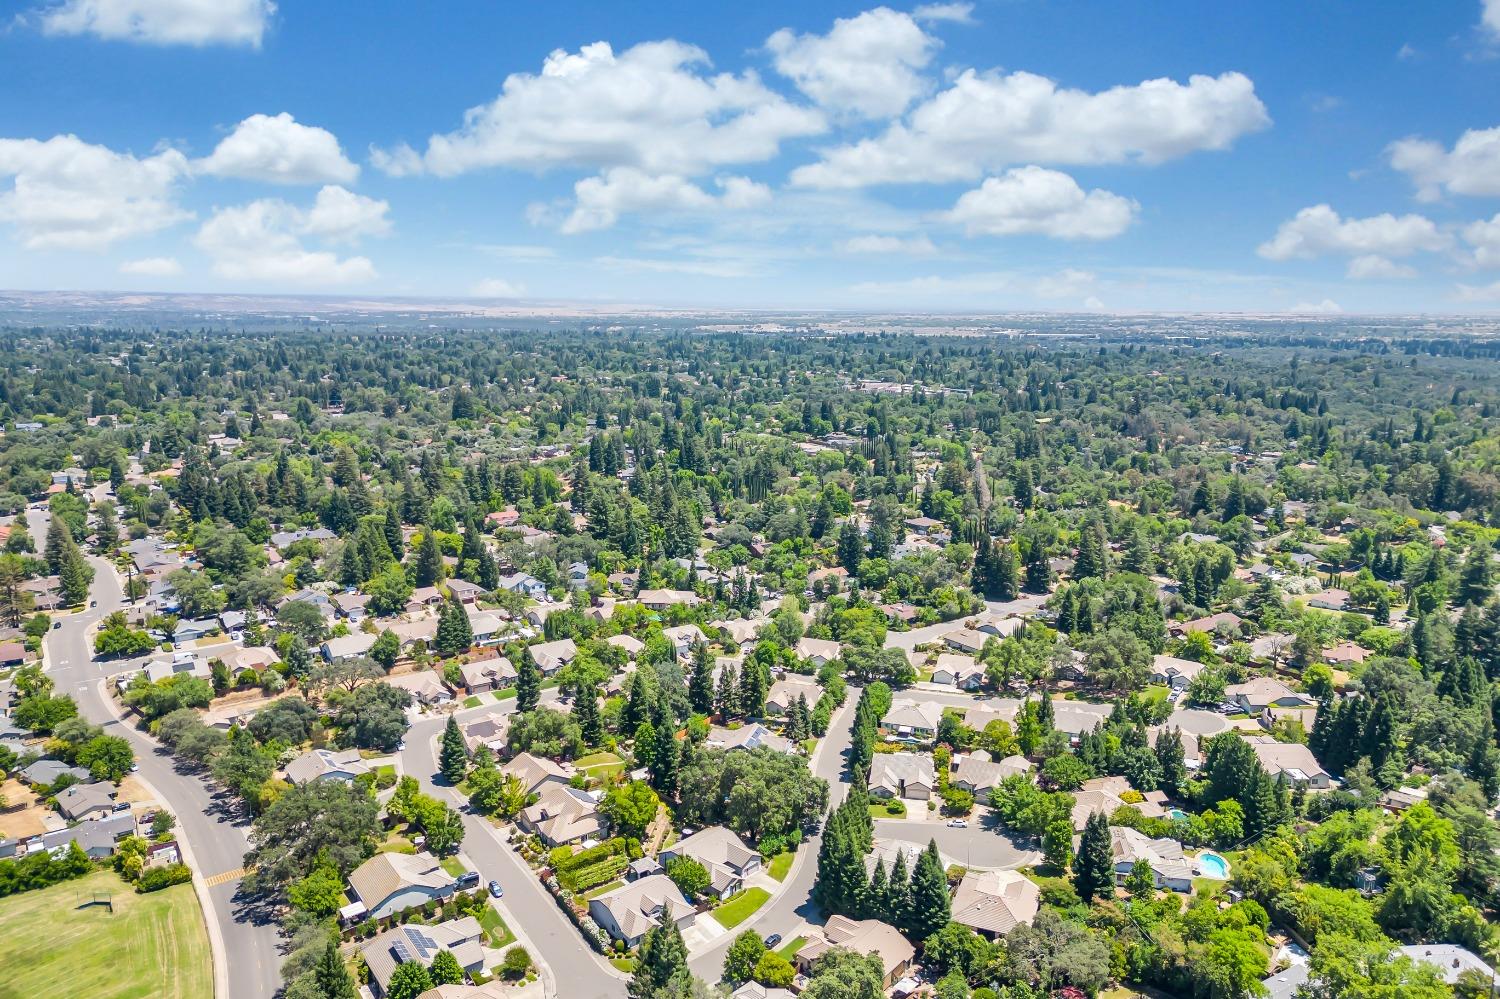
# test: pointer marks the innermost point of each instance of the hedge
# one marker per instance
(157, 878)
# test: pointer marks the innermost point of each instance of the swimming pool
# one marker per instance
(1176, 814)
(1211, 865)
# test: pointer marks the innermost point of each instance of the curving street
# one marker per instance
(210, 822)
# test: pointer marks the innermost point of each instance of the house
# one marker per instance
(750, 736)
(863, 936)
(393, 882)
(966, 640)
(464, 591)
(1169, 868)
(191, 631)
(755, 990)
(46, 772)
(509, 517)
(326, 764)
(979, 775)
(685, 638)
(1212, 624)
(87, 801)
(578, 576)
(630, 644)
(741, 631)
(902, 775)
(1346, 654)
(425, 685)
(1258, 693)
(350, 646)
(525, 584)
(912, 721)
(1105, 794)
(485, 626)
(12, 654)
(1331, 599)
(179, 663)
(1293, 759)
(784, 693)
(553, 656)
(536, 772)
(957, 670)
(487, 674)
(463, 938)
(630, 910)
(998, 625)
(722, 853)
(993, 903)
(490, 732)
(818, 650)
(1173, 672)
(97, 838)
(924, 526)
(351, 605)
(422, 629)
(423, 597)
(660, 600)
(1450, 960)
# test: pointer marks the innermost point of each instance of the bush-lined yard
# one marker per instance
(152, 946)
(739, 908)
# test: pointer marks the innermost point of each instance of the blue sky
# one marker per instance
(1005, 154)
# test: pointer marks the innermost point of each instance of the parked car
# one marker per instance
(468, 879)
(495, 890)
(773, 940)
(957, 824)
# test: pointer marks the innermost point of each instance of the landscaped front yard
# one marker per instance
(738, 908)
(497, 933)
(152, 946)
(600, 766)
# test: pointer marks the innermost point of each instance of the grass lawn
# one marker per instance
(472, 701)
(603, 889)
(789, 949)
(600, 766)
(881, 812)
(781, 865)
(494, 927)
(739, 908)
(625, 964)
(153, 945)
(453, 866)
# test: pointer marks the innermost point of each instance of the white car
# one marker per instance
(958, 824)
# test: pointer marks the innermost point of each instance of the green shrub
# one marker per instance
(157, 878)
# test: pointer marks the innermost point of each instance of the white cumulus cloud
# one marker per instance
(1045, 202)
(1479, 293)
(869, 64)
(914, 246)
(1471, 167)
(152, 267)
(163, 22)
(262, 240)
(1327, 307)
(652, 107)
(600, 201)
(1374, 267)
(1319, 231)
(987, 121)
(497, 288)
(70, 194)
(279, 150)
(1484, 237)
(958, 13)
(1489, 17)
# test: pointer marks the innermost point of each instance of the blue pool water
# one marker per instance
(1213, 866)
(1176, 814)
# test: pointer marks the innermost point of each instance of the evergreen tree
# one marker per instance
(332, 976)
(453, 761)
(429, 566)
(1171, 757)
(528, 683)
(797, 720)
(727, 693)
(662, 964)
(876, 895)
(701, 685)
(75, 577)
(897, 890)
(59, 544)
(754, 685)
(1091, 561)
(454, 632)
(851, 547)
(392, 531)
(586, 713)
(930, 906)
(1093, 869)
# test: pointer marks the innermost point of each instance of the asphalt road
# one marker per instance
(577, 972)
(210, 821)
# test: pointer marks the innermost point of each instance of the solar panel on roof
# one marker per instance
(399, 949)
